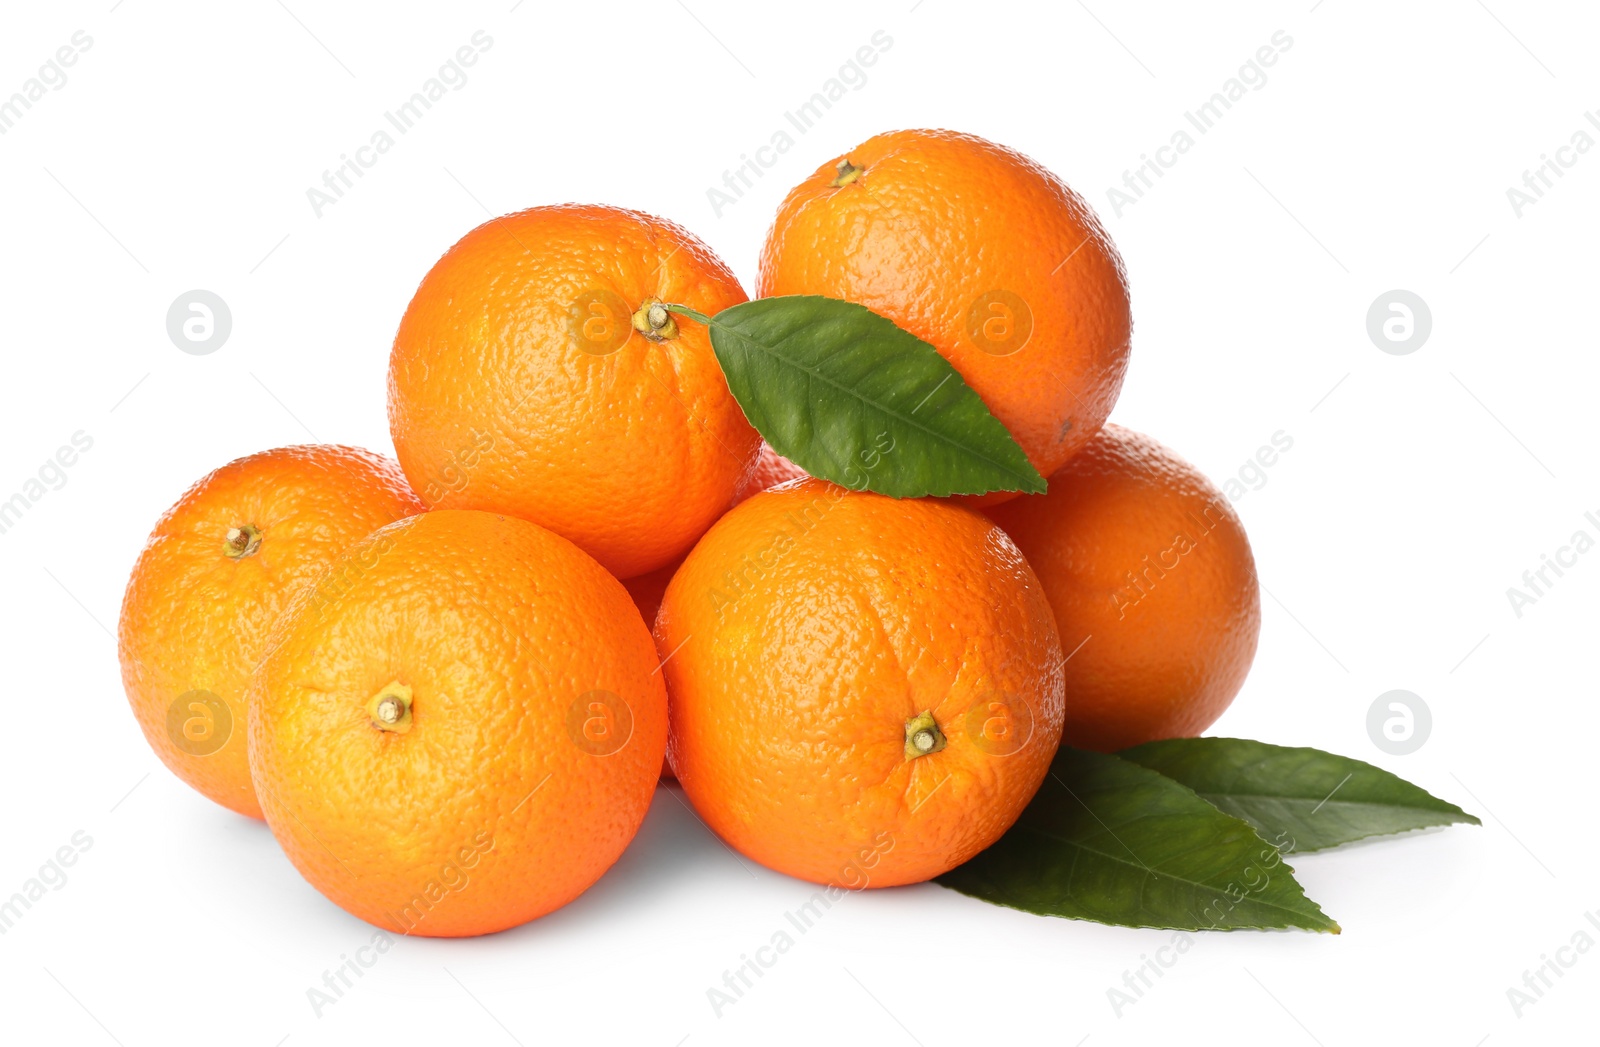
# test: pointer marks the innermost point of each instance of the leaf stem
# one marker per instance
(683, 310)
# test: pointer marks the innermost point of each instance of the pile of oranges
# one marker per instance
(587, 572)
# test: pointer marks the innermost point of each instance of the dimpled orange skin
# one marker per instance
(647, 590)
(495, 404)
(194, 618)
(809, 625)
(935, 221)
(492, 809)
(1148, 567)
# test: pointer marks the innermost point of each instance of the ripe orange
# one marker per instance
(647, 590)
(1153, 585)
(865, 691)
(982, 253)
(460, 727)
(213, 580)
(527, 378)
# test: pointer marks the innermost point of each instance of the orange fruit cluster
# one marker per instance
(450, 684)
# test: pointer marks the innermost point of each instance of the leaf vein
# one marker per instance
(814, 375)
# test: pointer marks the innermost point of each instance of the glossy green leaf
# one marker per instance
(849, 396)
(1110, 841)
(1312, 798)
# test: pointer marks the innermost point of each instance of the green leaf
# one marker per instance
(1107, 840)
(1310, 797)
(848, 396)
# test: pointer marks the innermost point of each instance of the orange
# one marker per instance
(865, 691)
(982, 253)
(460, 726)
(213, 580)
(1153, 585)
(521, 381)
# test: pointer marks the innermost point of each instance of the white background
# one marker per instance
(1419, 487)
